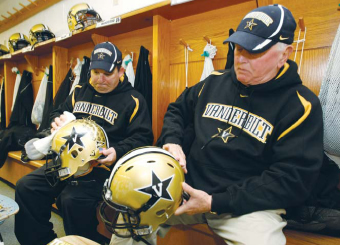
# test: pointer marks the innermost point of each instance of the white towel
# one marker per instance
(37, 148)
(16, 85)
(39, 104)
(209, 53)
(127, 64)
(76, 72)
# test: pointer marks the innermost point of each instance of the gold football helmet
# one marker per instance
(81, 16)
(144, 189)
(3, 50)
(18, 41)
(40, 33)
(74, 149)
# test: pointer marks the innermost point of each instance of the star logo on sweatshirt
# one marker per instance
(224, 134)
(157, 190)
(74, 138)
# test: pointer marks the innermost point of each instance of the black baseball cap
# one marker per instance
(105, 56)
(263, 27)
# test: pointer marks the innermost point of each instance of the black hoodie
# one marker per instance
(126, 118)
(256, 148)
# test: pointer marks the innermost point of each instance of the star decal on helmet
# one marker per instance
(224, 134)
(250, 25)
(157, 190)
(101, 56)
(74, 138)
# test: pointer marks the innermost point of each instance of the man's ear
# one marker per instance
(121, 71)
(285, 55)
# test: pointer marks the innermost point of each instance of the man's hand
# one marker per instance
(58, 122)
(199, 202)
(177, 152)
(110, 156)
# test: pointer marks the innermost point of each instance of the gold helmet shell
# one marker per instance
(74, 148)
(3, 50)
(81, 16)
(145, 189)
(18, 41)
(39, 33)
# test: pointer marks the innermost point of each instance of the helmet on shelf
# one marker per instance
(39, 33)
(144, 190)
(18, 41)
(74, 150)
(3, 50)
(81, 16)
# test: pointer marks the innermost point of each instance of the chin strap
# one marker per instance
(139, 238)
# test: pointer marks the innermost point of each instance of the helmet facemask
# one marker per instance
(40, 33)
(18, 41)
(122, 221)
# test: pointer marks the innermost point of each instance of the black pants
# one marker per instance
(77, 204)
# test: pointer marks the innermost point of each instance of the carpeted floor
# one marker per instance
(7, 228)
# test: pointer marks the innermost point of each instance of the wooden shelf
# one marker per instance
(43, 48)
(134, 20)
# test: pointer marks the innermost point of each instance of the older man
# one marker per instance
(259, 136)
(258, 143)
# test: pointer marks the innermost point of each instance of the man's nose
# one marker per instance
(242, 57)
(101, 76)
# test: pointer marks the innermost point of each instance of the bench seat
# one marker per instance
(14, 169)
(200, 234)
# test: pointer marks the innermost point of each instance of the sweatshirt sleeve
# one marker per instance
(179, 115)
(139, 131)
(296, 153)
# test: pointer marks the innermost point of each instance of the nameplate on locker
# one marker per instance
(112, 21)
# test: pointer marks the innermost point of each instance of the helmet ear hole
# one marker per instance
(74, 154)
(169, 164)
(129, 168)
(160, 212)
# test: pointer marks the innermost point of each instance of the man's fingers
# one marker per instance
(187, 188)
(181, 209)
(177, 152)
(58, 121)
(63, 117)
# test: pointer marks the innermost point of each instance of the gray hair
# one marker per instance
(281, 46)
